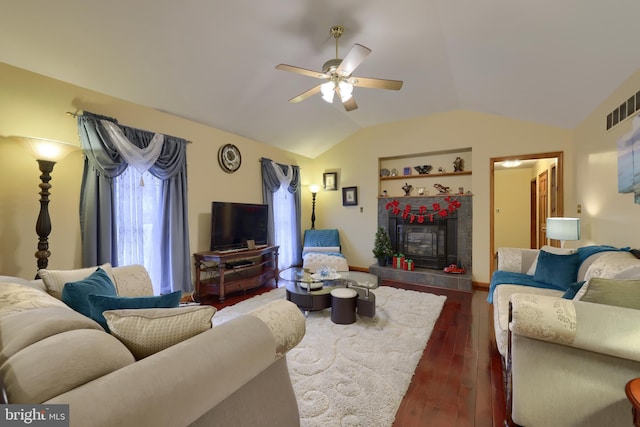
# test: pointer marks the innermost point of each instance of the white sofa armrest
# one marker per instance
(588, 326)
(516, 260)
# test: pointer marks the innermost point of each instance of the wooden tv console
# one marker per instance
(215, 276)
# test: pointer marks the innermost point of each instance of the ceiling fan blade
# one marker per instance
(356, 55)
(376, 83)
(305, 95)
(303, 71)
(350, 104)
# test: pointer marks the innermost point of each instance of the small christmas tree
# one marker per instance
(382, 246)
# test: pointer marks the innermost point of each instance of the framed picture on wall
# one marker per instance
(349, 196)
(330, 181)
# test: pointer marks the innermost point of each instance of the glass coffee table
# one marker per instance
(311, 292)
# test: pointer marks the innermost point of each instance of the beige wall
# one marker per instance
(607, 217)
(35, 105)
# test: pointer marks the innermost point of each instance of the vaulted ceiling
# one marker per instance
(213, 62)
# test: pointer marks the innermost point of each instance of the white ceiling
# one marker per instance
(213, 62)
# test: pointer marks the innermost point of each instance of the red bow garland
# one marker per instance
(452, 206)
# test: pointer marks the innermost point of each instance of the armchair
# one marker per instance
(322, 247)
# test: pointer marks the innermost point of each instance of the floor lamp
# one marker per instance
(46, 152)
(314, 188)
(563, 229)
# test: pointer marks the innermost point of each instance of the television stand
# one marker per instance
(222, 272)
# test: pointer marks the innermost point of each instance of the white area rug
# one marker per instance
(356, 375)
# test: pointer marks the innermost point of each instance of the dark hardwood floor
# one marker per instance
(458, 381)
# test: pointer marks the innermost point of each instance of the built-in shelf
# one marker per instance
(426, 175)
(392, 186)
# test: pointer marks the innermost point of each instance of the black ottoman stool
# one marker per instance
(343, 306)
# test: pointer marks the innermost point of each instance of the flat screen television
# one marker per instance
(232, 224)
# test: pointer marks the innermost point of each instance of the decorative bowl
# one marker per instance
(424, 169)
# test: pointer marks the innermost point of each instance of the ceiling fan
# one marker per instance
(337, 73)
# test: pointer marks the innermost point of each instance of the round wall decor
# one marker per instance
(229, 158)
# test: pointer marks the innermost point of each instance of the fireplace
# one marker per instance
(431, 244)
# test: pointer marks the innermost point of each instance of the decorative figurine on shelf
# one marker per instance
(460, 190)
(423, 170)
(441, 188)
(407, 188)
(458, 164)
(441, 170)
(394, 172)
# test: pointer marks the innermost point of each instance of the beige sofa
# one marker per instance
(233, 374)
(566, 361)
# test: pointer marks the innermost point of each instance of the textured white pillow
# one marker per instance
(551, 250)
(54, 280)
(146, 331)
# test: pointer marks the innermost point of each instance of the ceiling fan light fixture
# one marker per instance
(346, 90)
(327, 89)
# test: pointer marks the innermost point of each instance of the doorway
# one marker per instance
(528, 222)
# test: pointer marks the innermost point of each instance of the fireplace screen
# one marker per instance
(429, 244)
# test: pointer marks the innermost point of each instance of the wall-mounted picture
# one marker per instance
(349, 196)
(628, 170)
(330, 181)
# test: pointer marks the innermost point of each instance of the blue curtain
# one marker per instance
(102, 163)
(271, 184)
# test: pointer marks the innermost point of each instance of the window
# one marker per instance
(284, 226)
(137, 208)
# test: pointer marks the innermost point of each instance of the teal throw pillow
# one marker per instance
(102, 303)
(573, 289)
(76, 294)
(557, 270)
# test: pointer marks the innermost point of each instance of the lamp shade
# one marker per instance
(314, 188)
(48, 149)
(563, 228)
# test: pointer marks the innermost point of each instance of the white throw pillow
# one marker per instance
(146, 331)
(551, 250)
(54, 280)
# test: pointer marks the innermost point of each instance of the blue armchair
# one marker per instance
(322, 247)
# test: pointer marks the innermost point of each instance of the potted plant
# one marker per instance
(382, 247)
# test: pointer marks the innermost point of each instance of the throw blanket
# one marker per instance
(507, 277)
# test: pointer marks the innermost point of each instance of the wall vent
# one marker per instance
(624, 110)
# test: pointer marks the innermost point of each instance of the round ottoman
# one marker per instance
(343, 306)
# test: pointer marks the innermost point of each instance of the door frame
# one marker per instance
(559, 155)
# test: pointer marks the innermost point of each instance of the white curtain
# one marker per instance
(137, 204)
(284, 214)
(137, 212)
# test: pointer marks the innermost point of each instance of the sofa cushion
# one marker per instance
(132, 281)
(15, 298)
(76, 294)
(557, 270)
(60, 363)
(54, 280)
(621, 293)
(102, 303)
(550, 249)
(150, 330)
(573, 289)
(22, 329)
